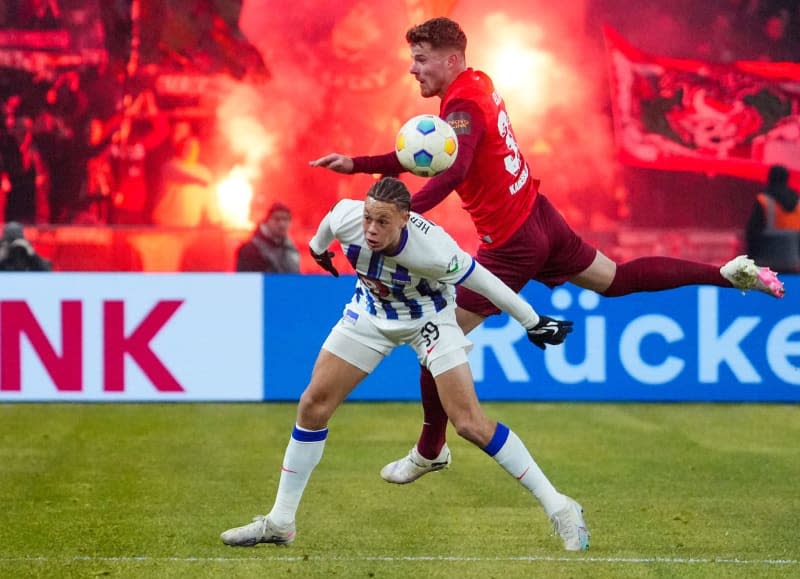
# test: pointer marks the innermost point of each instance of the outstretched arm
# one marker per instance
(470, 130)
(386, 164)
(335, 162)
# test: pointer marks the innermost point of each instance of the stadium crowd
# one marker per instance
(88, 143)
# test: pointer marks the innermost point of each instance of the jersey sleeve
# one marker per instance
(330, 224)
(435, 255)
(467, 120)
(448, 263)
(386, 164)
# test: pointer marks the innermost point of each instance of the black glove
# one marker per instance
(324, 261)
(549, 331)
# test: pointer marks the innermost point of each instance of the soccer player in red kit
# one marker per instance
(523, 237)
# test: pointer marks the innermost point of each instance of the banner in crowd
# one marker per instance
(45, 51)
(688, 115)
(250, 337)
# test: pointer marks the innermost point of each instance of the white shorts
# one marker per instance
(363, 341)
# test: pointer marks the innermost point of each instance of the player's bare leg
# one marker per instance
(649, 274)
(331, 381)
(457, 393)
(598, 276)
(430, 453)
(607, 278)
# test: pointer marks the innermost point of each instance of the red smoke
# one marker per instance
(340, 83)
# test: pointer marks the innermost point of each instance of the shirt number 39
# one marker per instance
(429, 333)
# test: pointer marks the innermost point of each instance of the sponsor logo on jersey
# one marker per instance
(453, 266)
(350, 317)
(461, 122)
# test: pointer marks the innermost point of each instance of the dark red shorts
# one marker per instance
(544, 249)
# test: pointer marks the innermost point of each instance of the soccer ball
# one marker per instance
(426, 145)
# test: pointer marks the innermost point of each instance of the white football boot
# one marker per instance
(744, 274)
(414, 465)
(261, 530)
(568, 523)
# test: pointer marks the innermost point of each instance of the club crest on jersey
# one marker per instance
(453, 266)
(375, 286)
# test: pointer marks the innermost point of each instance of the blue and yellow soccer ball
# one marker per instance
(426, 145)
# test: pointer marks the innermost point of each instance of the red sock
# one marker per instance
(652, 274)
(434, 426)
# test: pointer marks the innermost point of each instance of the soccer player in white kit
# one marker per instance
(405, 294)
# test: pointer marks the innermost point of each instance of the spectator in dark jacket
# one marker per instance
(270, 250)
(775, 208)
(773, 228)
(16, 252)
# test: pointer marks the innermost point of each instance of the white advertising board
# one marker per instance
(131, 337)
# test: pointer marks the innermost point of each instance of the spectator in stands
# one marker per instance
(270, 250)
(28, 197)
(136, 154)
(773, 228)
(771, 39)
(23, 174)
(16, 252)
(54, 142)
(10, 164)
(68, 100)
(777, 207)
(187, 198)
(99, 173)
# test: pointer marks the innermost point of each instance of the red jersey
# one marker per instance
(490, 174)
(497, 190)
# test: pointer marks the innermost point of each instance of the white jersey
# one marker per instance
(415, 281)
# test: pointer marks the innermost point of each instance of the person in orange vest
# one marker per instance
(776, 210)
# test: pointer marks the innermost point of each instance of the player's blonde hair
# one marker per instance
(391, 190)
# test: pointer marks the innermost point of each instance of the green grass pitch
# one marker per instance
(143, 490)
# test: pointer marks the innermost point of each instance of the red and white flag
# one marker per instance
(689, 115)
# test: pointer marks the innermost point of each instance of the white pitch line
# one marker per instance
(533, 558)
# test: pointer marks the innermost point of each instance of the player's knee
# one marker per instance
(471, 427)
(314, 410)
